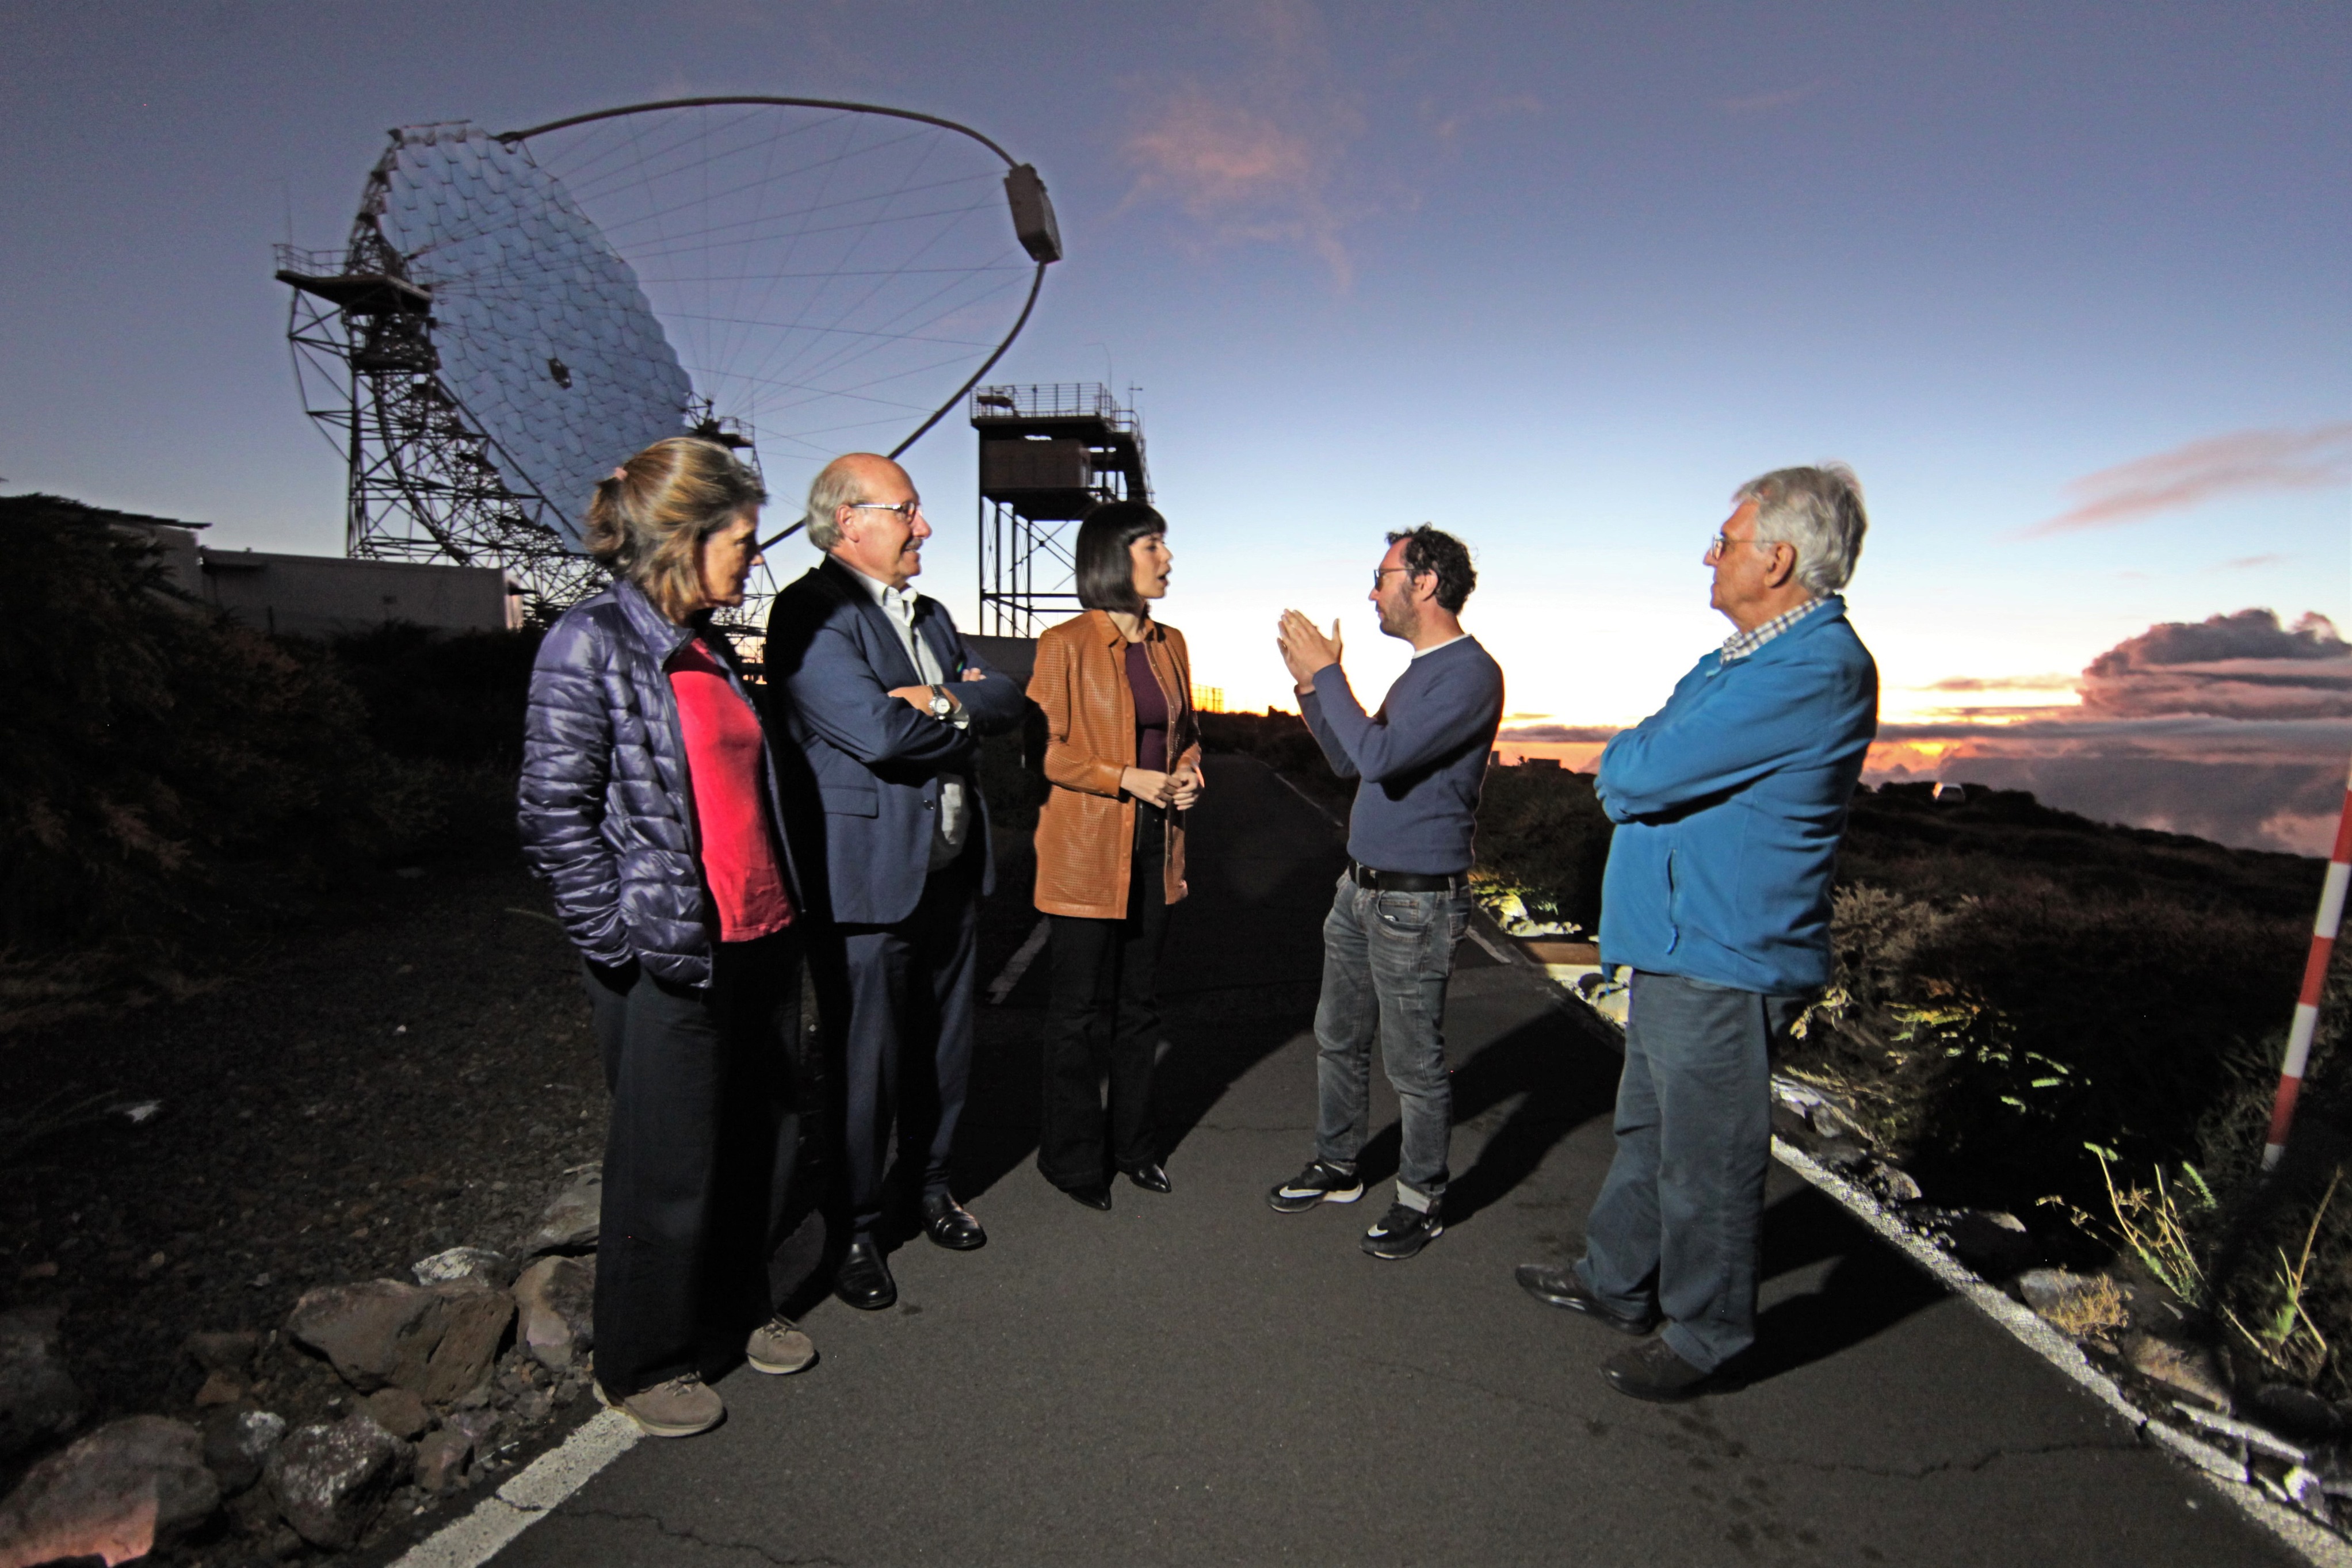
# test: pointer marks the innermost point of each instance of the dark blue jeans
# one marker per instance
(1679, 1216)
(1386, 959)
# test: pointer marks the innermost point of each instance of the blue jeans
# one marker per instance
(1386, 959)
(1679, 1216)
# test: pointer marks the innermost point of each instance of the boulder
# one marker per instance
(554, 1304)
(474, 1331)
(38, 1401)
(376, 1332)
(2185, 1369)
(231, 1352)
(219, 1388)
(128, 1489)
(399, 1411)
(2296, 1412)
(237, 1444)
(460, 1265)
(441, 1460)
(330, 1481)
(571, 1221)
(1993, 1245)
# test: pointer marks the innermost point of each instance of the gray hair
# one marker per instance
(1819, 511)
(836, 486)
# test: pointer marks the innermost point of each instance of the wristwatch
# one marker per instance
(941, 706)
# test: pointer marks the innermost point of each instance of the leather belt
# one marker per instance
(1403, 880)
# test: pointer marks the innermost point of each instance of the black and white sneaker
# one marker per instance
(1402, 1231)
(1321, 1182)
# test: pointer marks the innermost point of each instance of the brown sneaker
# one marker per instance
(776, 1347)
(677, 1408)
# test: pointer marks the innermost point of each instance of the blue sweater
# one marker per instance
(1729, 801)
(1422, 759)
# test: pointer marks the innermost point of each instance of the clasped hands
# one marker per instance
(920, 698)
(1176, 790)
(1305, 648)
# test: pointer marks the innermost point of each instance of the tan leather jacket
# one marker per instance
(1086, 834)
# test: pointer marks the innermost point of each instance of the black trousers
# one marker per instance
(897, 1007)
(1104, 1013)
(698, 1158)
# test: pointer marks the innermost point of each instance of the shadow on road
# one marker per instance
(1867, 1289)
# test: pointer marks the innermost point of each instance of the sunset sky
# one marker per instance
(2066, 283)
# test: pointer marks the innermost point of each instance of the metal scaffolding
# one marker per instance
(1046, 454)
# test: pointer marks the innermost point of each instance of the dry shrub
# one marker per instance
(2096, 1310)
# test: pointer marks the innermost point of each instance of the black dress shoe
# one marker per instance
(1095, 1196)
(1147, 1175)
(951, 1224)
(864, 1278)
(1562, 1287)
(1654, 1373)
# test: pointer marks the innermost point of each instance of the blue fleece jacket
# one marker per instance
(1422, 759)
(1729, 801)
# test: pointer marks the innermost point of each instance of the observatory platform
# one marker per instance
(1047, 452)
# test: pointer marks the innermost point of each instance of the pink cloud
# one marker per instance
(2246, 462)
(1245, 175)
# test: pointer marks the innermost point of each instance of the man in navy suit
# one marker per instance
(887, 706)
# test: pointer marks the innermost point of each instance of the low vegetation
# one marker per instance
(2074, 1022)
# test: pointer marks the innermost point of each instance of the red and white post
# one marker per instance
(2314, 981)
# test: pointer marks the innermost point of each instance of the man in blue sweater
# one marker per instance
(1728, 803)
(1388, 943)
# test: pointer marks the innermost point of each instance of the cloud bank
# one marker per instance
(2235, 728)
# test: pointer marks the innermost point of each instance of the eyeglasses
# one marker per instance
(1383, 571)
(907, 510)
(1722, 542)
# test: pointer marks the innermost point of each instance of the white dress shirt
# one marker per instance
(898, 605)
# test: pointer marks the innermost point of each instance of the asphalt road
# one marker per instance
(1193, 1378)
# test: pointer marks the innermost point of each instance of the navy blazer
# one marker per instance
(864, 809)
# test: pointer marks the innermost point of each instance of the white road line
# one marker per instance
(2224, 1471)
(1018, 965)
(1318, 808)
(523, 1502)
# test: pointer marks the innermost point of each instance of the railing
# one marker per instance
(1056, 400)
(314, 263)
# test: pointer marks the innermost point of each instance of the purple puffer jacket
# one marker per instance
(606, 811)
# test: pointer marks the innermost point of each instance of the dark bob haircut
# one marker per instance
(1105, 570)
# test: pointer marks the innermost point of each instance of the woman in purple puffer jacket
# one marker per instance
(649, 806)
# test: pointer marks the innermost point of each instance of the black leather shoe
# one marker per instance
(1147, 1175)
(1654, 1373)
(1562, 1287)
(864, 1278)
(1095, 1196)
(951, 1224)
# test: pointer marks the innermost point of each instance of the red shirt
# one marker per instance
(725, 768)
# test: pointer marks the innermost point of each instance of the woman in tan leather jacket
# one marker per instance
(1123, 758)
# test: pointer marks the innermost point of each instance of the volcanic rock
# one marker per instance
(2186, 1369)
(554, 1304)
(572, 1219)
(237, 1444)
(330, 1481)
(231, 1352)
(124, 1490)
(460, 1264)
(399, 1411)
(38, 1401)
(441, 1460)
(473, 1331)
(374, 1333)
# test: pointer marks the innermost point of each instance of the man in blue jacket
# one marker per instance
(1728, 803)
(886, 705)
(1404, 903)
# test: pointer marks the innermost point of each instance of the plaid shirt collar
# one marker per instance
(1739, 644)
